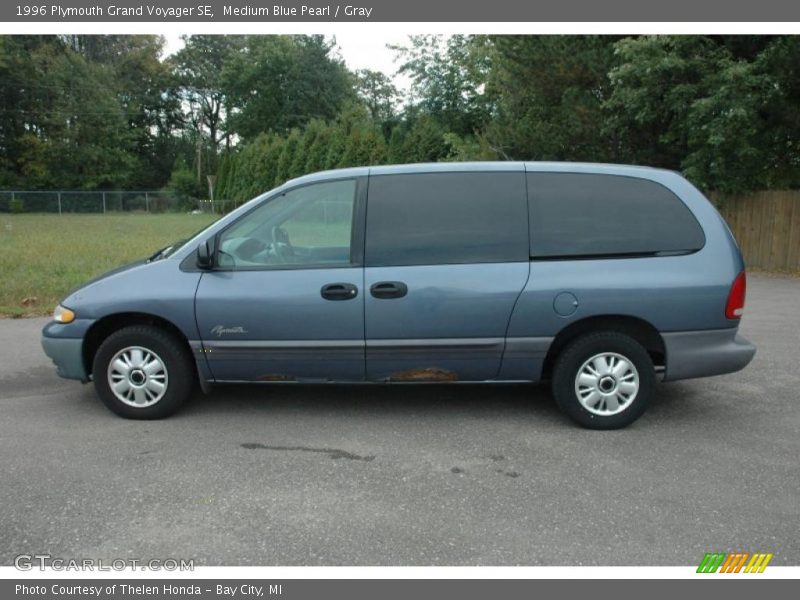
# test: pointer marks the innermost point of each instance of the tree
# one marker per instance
(183, 184)
(364, 147)
(548, 93)
(309, 136)
(780, 60)
(291, 147)
(316, 160)
(335, 151)
(721, 110)
(423, 140)
(448, 79)
(727, 145)
(200, 72)
(61, 124)
(145, 89)
(282, 82)
(653, 87)
(379, 95)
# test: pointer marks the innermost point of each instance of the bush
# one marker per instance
(16, 205)
(183, 184)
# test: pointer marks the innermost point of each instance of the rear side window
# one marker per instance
(574, 214)
(446, 218)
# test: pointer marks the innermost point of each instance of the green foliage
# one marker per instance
(50, 133)
(101, 112)
(420, 141)
(653, 89)
(469, 148)
(336, 149)
(143, 85)
(727, 149)
(363, 147)
(378, 93)
(200, 70)
(77, 113)
(309, 136)
(448, 77)
(780, 61)
(16, 205)
(721, 110)
(290, 150)
(226, 163)
(283, 82)
(270, 160)
(548, 93)
(183, 183)
(317, 156)
(267, 164)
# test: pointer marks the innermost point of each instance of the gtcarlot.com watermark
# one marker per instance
(42, 562)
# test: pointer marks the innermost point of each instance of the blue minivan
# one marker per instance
(601, 279)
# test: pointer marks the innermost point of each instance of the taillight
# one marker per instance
(735, 306)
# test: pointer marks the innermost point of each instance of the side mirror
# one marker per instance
(205, 258)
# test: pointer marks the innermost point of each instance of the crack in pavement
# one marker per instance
(332, 452)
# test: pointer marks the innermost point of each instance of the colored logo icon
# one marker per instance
(734, 562)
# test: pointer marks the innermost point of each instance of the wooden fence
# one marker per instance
(767, 227)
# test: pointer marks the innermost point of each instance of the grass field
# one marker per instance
(43, 256)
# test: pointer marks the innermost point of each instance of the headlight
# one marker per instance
(63, 315)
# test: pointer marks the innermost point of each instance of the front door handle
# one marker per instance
(388, 289)
(339, 291)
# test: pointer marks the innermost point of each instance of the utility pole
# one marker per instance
(198, 121)
(211, 181)
(199, 158)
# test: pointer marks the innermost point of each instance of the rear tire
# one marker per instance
(143, 372)
(604, 380)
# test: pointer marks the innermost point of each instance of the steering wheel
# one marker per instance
(249, 248)
(281, 244)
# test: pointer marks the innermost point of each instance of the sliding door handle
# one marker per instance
(388, 289)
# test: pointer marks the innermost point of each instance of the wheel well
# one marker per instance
(639, 329)
(104, 327)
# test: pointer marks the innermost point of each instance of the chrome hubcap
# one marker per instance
(137, 376)
(607, 384)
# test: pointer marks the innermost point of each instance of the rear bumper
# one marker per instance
(67, 356)
(706, 353)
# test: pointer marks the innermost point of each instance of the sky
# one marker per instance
(366, 50)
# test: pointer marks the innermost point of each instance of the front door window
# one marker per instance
(309, 226)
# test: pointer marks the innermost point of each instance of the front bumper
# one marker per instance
(65, 352)
(706, 353)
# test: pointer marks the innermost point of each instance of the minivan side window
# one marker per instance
(585, 215)
(307, 226)
(446, 218)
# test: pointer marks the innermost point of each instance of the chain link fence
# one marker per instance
(219, 207)
(70, 201)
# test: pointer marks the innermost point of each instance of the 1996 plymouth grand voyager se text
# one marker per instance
(595, 277)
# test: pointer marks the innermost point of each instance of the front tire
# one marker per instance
(143, 372)
(604, 380)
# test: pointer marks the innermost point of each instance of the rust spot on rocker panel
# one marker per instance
(425, 374)
(275, 377)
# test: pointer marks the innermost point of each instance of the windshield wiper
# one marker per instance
(166, 250)
(157, 254)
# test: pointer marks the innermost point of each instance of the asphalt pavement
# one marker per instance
(408, 475)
